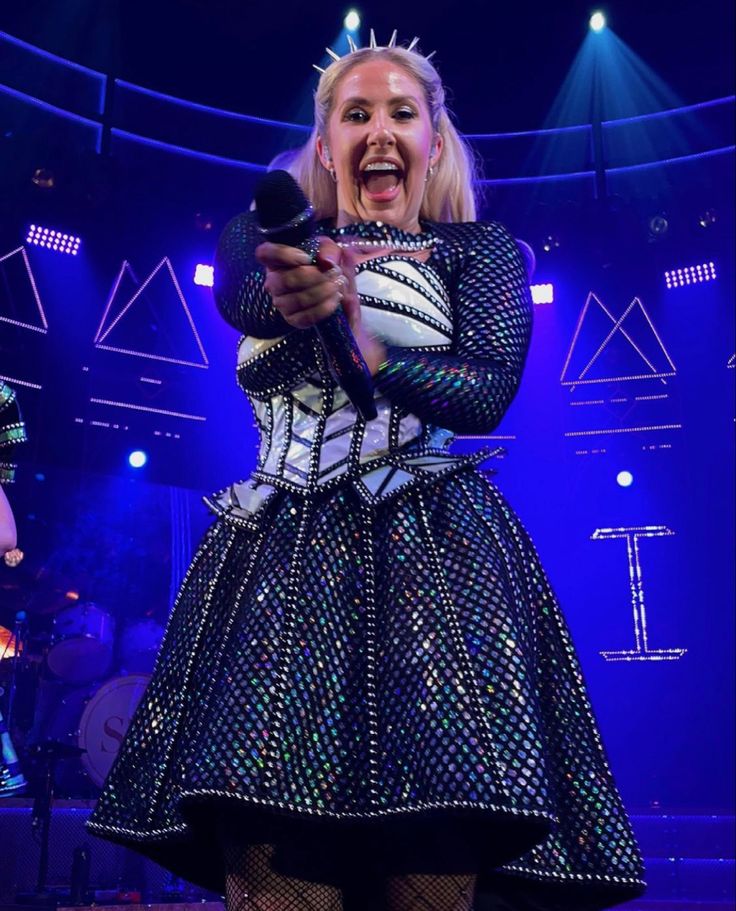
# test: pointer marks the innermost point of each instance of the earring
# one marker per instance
(333, 175)
(430, 173)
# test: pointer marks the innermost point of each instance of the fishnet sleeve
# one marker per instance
(470, 389)
(238, 284)
(245, 304)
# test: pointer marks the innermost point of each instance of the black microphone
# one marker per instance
(285, 216)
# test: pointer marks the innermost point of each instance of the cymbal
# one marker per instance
(37, 589)
(7, 644)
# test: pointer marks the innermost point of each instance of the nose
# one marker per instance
(381, 133)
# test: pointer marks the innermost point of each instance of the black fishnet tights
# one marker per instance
(253, 885)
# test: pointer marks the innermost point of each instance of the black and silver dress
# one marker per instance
(366, 662)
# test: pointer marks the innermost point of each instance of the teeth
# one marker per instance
(381, 166)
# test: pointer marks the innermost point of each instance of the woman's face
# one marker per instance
(381, 144)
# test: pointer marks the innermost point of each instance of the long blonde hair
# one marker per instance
(449, 193)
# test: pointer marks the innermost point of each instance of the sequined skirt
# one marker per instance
(391, 685)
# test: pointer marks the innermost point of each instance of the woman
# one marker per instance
(367, 695)
(12, 432)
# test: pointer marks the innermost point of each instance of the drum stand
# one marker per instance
(47, 754)
(11, 776)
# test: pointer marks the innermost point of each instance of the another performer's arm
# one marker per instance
(8, 533)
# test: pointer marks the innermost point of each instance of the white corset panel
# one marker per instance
(313, 434)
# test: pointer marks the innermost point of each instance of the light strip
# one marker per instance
(589, 433)
(148, 409)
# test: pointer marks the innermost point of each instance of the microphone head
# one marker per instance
(282, 207)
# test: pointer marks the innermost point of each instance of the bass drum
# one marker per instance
(95, 719)
(139, 645)
(82, 643)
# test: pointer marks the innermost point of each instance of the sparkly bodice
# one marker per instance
(456, 327)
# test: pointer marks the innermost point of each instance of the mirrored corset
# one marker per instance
(311, 436)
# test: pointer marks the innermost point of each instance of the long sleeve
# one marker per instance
(238, 285)
(469, 389)
(244, 303)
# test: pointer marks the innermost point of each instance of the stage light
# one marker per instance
(690, 275)
(352, 20)
(204, 275)
(137, 458)
(550, 243)
(43, 178)
(597, 21)
(543, 294)
(203, 221)
(624, 479)
(658, 226)
(707, 218)
(52, 240)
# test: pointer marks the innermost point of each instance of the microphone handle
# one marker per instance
(347, 364)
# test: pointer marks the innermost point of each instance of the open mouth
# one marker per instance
(381, 180)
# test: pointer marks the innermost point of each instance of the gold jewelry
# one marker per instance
(372, 46)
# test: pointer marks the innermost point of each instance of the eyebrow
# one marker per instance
(399, 99)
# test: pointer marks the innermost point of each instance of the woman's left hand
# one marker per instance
(372, 349)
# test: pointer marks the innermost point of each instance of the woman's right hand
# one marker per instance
(304, 293)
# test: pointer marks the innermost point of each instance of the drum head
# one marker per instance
(105, 720)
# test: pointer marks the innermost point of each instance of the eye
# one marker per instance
(356, 115)
(405, 114)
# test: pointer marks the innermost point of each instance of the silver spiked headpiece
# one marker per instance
(373, 45)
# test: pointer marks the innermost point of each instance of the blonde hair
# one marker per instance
(449, 193)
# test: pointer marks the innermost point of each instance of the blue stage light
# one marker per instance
(352, 20)
(624, 479)
(597, 21)
(137, 458)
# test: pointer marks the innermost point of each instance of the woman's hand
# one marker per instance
(306, 293)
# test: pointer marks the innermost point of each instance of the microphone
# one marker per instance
(285, 216)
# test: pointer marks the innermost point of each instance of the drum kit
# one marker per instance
(69, 691)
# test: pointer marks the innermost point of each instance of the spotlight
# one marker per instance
(43, 178)
(204, 275)
(551, 242)
(543, 294)
(352, 20)
(690, 275)
(137, 458)
(624, 479)
(52, 240)
(658, 226)
(597, 21)
(708, 218)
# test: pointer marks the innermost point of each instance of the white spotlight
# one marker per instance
(597, 21)
(624, 479)
(352, 20)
